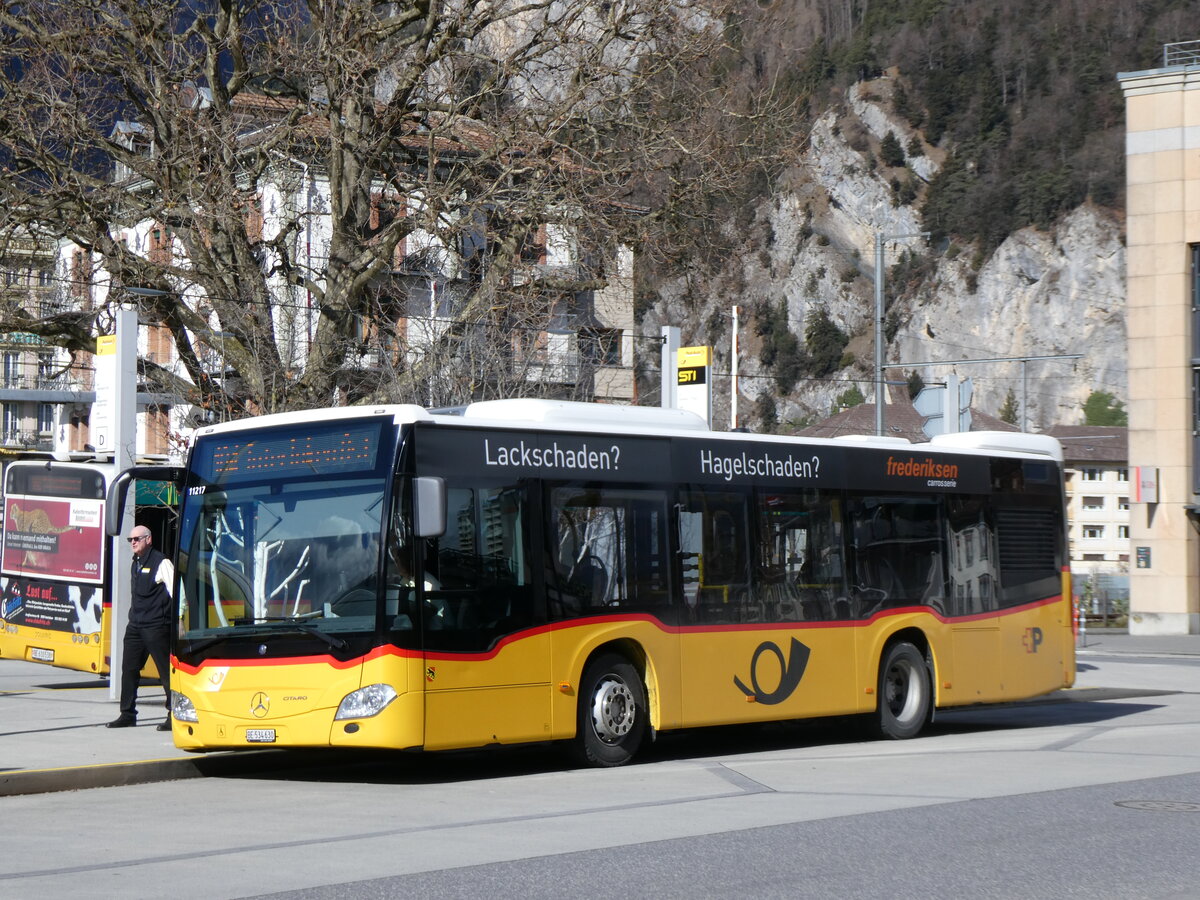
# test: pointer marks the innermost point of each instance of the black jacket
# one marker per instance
(151, 603)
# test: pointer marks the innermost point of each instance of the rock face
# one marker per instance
(1057, 293)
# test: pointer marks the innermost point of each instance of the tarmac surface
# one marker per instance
(53, 736)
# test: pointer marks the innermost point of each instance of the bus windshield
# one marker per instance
(281, 530)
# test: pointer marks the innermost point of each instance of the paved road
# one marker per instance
(1096, 794)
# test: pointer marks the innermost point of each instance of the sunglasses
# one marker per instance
(140, 537)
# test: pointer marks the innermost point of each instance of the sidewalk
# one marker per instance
(1120, 641)
(53, 736)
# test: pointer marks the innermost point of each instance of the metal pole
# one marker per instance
(950, 406)
(733, 368)
(670, 357)
(1024, 395)
(123, 404)
(878, 333)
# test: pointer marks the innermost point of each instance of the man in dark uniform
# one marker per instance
(148, 633)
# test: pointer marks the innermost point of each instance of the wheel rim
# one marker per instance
(613, 709)
(902, 690)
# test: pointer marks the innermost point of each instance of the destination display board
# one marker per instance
(310, 449)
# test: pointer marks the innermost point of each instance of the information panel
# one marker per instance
(54, 538)
(75, 608)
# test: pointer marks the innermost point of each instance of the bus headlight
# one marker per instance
(182, 708)
(366, 702)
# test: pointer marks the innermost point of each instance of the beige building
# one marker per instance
(1162, 148)
(1098, 498)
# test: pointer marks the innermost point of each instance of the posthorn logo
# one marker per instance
(791, 671)
(1032, 639)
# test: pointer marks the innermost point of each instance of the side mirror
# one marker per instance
(429, 507)
(119, 488)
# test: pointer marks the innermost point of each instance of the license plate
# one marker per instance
(41, 655)
(260, 735)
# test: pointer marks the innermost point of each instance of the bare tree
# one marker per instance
(291, 178)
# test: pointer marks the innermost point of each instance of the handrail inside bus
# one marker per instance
(114, 511)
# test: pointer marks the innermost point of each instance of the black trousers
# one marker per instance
(144, 642)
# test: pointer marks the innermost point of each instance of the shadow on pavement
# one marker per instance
(1079, 707)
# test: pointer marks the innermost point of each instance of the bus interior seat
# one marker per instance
(590, 580)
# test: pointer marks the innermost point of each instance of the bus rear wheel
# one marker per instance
(612, 712)
(904, 692)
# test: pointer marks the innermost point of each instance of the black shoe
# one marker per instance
(164, 726)
(122, 722)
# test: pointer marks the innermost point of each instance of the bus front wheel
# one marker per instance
(612, 712)
(904, 692)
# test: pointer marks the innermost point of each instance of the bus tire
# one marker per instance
(904, 692)
(612, 712)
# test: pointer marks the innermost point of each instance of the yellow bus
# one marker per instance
(56, 563)
(533, 570)
(55, 567)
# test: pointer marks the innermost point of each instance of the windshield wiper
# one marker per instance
(198, 646)
(296, 622)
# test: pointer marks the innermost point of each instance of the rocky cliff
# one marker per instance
(812, 246)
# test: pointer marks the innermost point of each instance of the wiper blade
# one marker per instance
(296, 622)
(198, 646)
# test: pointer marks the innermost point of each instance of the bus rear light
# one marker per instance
(366, 702)
(182, 708)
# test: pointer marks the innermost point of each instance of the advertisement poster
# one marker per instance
(45, 604)
(62, 539)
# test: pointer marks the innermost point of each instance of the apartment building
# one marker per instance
(1162, 164)
(1099, 496)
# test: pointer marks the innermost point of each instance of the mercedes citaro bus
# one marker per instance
(533, 570)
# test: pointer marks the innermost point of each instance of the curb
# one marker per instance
(149, 771)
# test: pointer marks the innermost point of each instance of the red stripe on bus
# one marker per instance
(478, 656)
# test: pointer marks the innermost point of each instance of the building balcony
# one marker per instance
(26, 440)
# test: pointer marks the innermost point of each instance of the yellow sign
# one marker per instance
(693, 357)
(106, 345)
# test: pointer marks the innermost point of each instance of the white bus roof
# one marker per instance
(567, 415)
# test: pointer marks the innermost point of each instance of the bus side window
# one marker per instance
(477, 584)
(608, 548)
(898, 556)
(800, 572)
(713, 543)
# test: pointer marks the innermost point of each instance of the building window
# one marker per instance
(45, 364)
(12, 370)
(1122, 474)
(1123, 532)
(1093, 532)
(1093, 474)
(45, 418)
(12, 423)
(601, 346)
(1123, 503)
(1093, 557)
(1093, 503)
